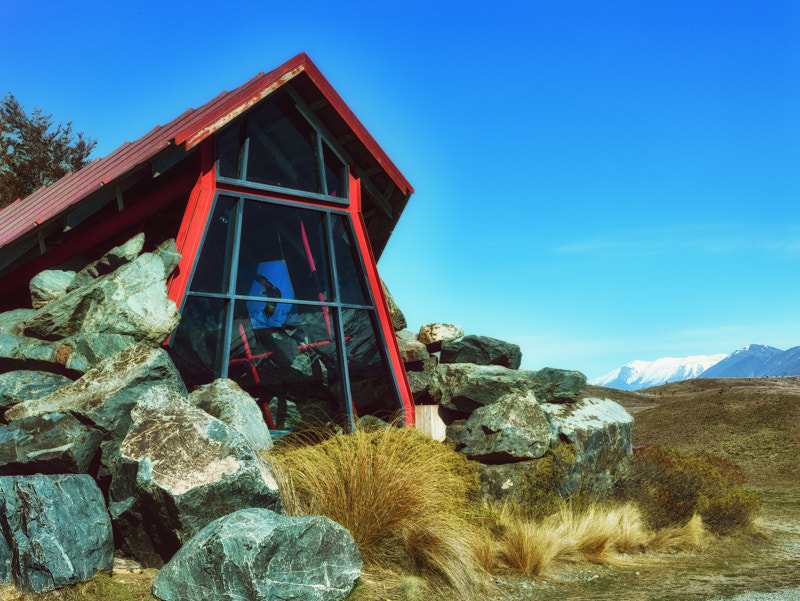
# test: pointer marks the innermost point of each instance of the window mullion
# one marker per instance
(321, 164)
(231, 291)
(245, 157)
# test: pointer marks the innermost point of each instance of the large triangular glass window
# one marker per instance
(276, 147)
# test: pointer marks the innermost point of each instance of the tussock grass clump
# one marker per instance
(672, 485)
(596, 533)
(402, 495)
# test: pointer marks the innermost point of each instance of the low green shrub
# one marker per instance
(672, 485)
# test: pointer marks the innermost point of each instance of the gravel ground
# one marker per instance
(786, 594)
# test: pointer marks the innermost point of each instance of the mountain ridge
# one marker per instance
(751, 361)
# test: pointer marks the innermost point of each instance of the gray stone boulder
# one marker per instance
(104, 396)
(433, 334)
(225, 400)
(255, 555)
(49, 285)
(464, 387)
(56, 528)
(55, 443)
(61, 357)
(411, 349)
(5, 561)
(481, 350)
(421, 375)
(11, 320)
(559, 385)
(116, 257)
(178, 470)
(130, 301)
(25, 385)
(600, 430)
(398, 319)
(507, 481)
(512, 429)
(72, 356)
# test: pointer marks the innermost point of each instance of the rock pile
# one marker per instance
(508, 419)
(103, 450)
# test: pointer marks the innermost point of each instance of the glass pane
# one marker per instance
(229, 147)
(194, 345)
(371, 384)
(282, 254)
(334, 172)
(348, 264)
(294, 367)
(211, 273)
(283, 149)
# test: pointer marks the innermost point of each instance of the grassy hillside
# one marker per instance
(754, 422)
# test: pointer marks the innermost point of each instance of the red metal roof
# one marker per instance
(188, 130)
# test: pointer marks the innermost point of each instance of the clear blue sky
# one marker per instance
(597, 181)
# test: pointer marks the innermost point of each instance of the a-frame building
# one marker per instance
(280, 202)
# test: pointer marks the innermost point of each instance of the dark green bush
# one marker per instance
(672, 485)
(541, 494)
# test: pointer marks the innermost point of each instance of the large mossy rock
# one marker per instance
(26, 385)
(130, 301)
(512, 429)
(464, 387)
(481, 350)
(54, 443)
(225, 400)
(178, 470)
(56, 528)
(600, 430)
(255, 555)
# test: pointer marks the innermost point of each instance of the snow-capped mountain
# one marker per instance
(757, 361)
(747, 362)
(643, 374)
(751, 361)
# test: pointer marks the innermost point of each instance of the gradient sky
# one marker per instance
(597, 181)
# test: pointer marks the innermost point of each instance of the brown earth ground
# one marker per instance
(754, 422)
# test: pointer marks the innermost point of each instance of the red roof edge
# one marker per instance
(264, 84)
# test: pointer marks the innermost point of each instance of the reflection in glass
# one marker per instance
(283, 149)
(294, 367)
(282, 254)
(211, 273)
(371, 389)
(348, 268)
(194, 345)
(229, 152)
(334, 172)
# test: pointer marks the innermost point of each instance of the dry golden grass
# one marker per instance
(399, 493)
(597, 533)
(100, 588)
